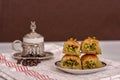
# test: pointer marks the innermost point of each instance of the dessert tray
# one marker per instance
(76, 71)
(47, 55)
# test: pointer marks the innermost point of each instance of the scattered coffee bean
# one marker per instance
(19, 61)
(30, 62)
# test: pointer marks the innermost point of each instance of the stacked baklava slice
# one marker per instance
(81, 55)
(71, 58)
(90, 48)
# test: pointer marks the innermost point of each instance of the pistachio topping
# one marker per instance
(90, 64)
(71, 48)
(90, 46)
(70, 63)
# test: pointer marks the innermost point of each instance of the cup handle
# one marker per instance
(13, 45)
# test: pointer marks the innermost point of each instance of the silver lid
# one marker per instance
(33, 36)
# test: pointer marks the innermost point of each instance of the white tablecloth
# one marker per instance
(46, 70)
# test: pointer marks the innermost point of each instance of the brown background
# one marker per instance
(58, 20)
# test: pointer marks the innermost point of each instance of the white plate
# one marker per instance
(48, 55)
(76, 71)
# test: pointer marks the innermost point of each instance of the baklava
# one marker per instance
(71, 62)
(90, 61)
(90, 46)
(71, 47)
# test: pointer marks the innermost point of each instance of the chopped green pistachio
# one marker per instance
(90, 64)
(90, 46)
(71, 48)
(70, 63)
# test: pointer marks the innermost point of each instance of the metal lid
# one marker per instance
(33, 36)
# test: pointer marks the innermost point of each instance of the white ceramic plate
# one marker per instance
(48, 55)
(76, 71)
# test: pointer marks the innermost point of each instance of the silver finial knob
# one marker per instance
(33, 26)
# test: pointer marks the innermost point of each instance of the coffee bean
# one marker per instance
(24, 63)
(19, 61)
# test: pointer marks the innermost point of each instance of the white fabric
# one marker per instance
(47, 67)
